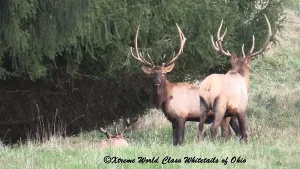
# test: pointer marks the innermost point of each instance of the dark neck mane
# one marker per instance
(159, 99)
(243, 71)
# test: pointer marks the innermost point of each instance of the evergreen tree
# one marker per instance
(39, 36)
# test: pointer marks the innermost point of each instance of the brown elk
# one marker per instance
(227, 95)
(116, 141)
(178, 101)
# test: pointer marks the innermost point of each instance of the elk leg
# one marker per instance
(229, 131)
(219, 116)
(225, 128)
(180, 130)
(204, 110)
(175, 129)
(235, 126)
(241, 118)
(201, 125)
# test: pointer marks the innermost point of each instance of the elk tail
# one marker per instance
(203, 105)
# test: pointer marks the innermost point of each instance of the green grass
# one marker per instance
(257, 155)
(272, 125)
(293, 5)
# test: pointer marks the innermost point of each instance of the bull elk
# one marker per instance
(115, 141)
(227, 95)
(178, 101)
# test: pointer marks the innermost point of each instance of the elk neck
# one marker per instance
(244, 71)
(160, 94)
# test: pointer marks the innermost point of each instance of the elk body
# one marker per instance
(178, 101)
(227, 95)
(116, 141)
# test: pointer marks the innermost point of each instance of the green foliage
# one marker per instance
(37, 36)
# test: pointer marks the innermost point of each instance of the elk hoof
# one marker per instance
(244, 140)
(200, 138)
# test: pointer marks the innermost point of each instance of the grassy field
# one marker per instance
(273, 126)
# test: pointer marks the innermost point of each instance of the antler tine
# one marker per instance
(150, 59)
(214, 44)
(243, 51)
(224, 34)
(164, 57)
(182, 42)
(253, 44)
(143, 58)
(139, 55)
(220, 40)
(106, 133)
(140, 58)
(219, 31)
(270, 35)
(116, 129)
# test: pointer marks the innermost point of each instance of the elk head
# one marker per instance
(157, 72)
(241, 64)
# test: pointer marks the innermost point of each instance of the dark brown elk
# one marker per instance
(178, 101)
(227, 95)
(113, 141)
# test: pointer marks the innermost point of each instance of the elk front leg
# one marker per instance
(175, 129)
(180, 130)
(178, 126)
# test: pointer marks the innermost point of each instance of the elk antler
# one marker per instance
(218, 44)
(139, 55)
(252, 47)
(106, 133)
(110, 136)
(270, 35)
(182, 42)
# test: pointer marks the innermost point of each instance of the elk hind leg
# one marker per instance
(242, 123)
(201, 126)
(225, 128)
(219, 113)
(235, 126)
(204, 109)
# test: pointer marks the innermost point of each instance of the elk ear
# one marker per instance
(169, 68)
(233, 57)
(147, 70)
(248, 59)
